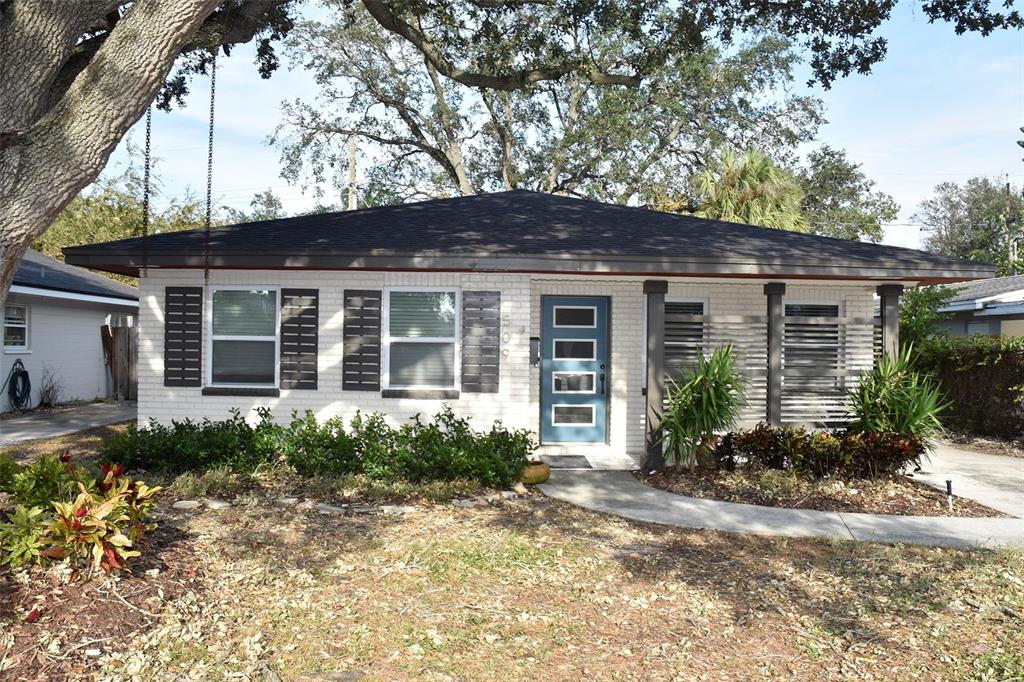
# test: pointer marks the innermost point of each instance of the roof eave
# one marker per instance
(129, 262)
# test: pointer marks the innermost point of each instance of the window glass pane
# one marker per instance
(574, 350)
(573, 415)
(243, 362)
(244, 313)
(573, 382)
(575, 317)
(15, 314)
(15, 337)
(422, 313)
(422, 364)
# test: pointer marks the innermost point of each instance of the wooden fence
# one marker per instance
(121, 354)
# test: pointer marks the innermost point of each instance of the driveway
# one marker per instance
(997, 481)
(62, 421)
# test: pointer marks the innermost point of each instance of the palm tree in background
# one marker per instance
(749, 188)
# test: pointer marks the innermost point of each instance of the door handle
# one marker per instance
(602, 384)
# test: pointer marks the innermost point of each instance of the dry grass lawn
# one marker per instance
(536, 589)
(83, 445)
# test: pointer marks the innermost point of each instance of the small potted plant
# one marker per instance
(536, 472)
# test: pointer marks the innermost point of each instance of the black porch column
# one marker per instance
(655, 291)
(774, 291)
(890, 309)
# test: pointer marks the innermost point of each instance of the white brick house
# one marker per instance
(558, 315)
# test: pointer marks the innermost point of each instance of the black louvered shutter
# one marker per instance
(183, 336)
(481, 341)
(299, 338)
(360, 366)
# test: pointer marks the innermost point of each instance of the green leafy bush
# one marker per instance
(442, 449)
(982, 377)
(844, 454)
(47, 480)
(8, 468)
(21, 537)
(895, 398)
(707, 402)
(187, 445)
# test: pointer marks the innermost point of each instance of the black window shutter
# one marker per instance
(299, 338)
(183, 336)
(360, 366)
(481, 341)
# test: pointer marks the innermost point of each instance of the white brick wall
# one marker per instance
(518, 402)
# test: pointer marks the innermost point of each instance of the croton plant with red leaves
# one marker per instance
(99, 531)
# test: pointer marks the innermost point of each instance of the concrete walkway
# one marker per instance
(617, 492)
(62, 421)
(996, 481)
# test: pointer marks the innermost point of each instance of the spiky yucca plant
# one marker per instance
(893, 397)
(708, 401)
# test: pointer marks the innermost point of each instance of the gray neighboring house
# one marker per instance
(987, 306)
(52, 319)
(554, 314)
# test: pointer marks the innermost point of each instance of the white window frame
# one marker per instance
(556, 341)
(554, 316)
(386, 338)
(210, 338)
(27, 326)
(592, 422)
(555, 391)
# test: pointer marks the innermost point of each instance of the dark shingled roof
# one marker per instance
(43, 272)
(984, 288)
(509, 225)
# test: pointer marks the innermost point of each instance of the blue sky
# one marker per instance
(940, 107)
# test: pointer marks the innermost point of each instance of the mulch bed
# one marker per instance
(59, 627)
(898, 495)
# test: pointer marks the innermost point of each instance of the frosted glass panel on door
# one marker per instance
(244, 313)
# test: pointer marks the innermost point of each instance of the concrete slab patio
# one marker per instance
(62, 421)
(619, 493)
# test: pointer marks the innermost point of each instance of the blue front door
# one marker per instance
(574, 374)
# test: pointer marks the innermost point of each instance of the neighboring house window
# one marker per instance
(243, 339)
(812, 345)
(421, 338)
(16, 327)
(974, 328)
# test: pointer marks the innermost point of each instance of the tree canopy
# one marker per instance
(973, 220)
(75, 76)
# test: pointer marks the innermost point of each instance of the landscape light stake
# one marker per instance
(949, 494)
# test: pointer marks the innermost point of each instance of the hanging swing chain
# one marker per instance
(209, 148)
(209, 172)
(145, 173)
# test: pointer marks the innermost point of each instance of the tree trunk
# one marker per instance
(45, 163)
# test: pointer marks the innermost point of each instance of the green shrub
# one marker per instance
(442, 449)
(49, 479)
(8, 468)
(982, 377)
(187, 445)
(315, 449)
(20, 537)
(895, 398)
(707, 402)
(844, 454)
